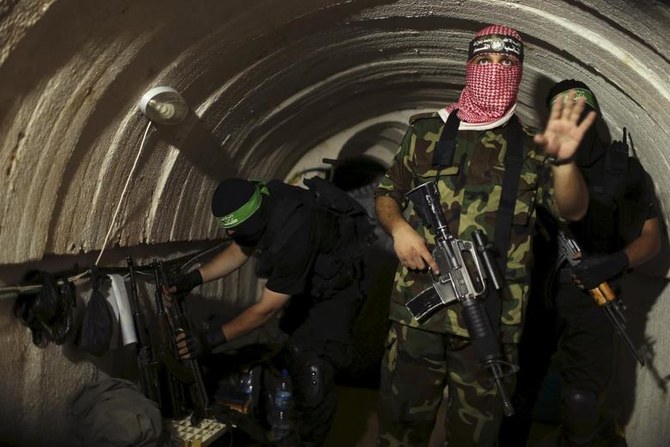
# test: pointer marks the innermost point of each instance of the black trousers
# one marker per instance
(574, 328)
(317, 348)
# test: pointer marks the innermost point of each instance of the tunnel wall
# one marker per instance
(266, 82)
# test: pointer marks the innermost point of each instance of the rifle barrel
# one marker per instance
(621, 330)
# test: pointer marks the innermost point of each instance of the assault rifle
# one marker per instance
(603, 295)
(462, 278)
(178, 323)
(145, 360)
(172, 374)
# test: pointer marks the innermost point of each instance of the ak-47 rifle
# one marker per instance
(145, 360)
(603, 295)
(456, 282)
(172, 374)
(178, 323)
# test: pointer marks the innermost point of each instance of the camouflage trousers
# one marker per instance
(416, 368)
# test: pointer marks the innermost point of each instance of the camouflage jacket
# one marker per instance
(470, 192)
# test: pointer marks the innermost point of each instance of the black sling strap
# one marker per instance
(513, 163)
(446, 146)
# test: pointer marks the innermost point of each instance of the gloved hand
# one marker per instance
(595, 270)
(181, 285)
(197, 344)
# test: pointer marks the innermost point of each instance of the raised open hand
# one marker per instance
(564, 132)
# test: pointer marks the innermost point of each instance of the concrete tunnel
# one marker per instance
(272, 86)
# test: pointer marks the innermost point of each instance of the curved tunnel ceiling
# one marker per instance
(266, 81)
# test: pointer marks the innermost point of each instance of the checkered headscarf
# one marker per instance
(490, 89)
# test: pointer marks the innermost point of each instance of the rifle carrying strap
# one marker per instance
(446, 146)
(513, 163)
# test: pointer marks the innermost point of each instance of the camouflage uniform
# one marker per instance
(421, 359)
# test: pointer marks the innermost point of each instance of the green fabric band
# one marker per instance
(245, 211)
(579, 92)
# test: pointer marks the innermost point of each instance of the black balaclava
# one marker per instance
(241, 205)
(591, 148)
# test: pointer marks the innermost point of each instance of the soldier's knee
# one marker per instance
(580, 415)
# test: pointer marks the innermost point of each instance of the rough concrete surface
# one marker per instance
(266, 82)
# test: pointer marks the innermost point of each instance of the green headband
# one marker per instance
(579, 92)
(247, 210)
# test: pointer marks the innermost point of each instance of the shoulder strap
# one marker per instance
(446, 146)
(513, 163)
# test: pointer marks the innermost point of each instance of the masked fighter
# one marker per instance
(491, 176)
(311, 252)
(621, 230)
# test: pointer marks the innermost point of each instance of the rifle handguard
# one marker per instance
(603, 294)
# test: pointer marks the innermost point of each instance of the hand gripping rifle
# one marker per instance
(172, 374)
(462, 278)
(178, 323)
(603, 295)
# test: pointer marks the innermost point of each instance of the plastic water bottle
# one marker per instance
(248, 388)
(247, 382)
(280, 411)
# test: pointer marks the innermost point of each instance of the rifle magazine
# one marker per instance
(425, 304)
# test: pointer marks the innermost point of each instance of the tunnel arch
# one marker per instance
(267, 84)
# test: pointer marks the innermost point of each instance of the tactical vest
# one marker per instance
(339, 265)
(617, 211)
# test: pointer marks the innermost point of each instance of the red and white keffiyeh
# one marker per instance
(491, 89)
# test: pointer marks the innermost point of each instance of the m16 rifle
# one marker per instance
(462, 277)
(603, 295)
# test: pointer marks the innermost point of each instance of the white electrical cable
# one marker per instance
(123, 193)
(22, 289)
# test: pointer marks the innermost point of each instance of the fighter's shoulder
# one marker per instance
(425, 122)
(526, 130)
(423, 116)
(529, 131)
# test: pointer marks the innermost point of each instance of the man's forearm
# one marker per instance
(229, 260)
(646, 245)
(389, 214)
(570, 192)
(250, 319)
(256, 315)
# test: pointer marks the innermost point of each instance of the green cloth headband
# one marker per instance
(579, 92)
(247, 210)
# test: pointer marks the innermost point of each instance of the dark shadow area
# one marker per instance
(359, 176)
(199, 146)
(640, 289)
(356, 173)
